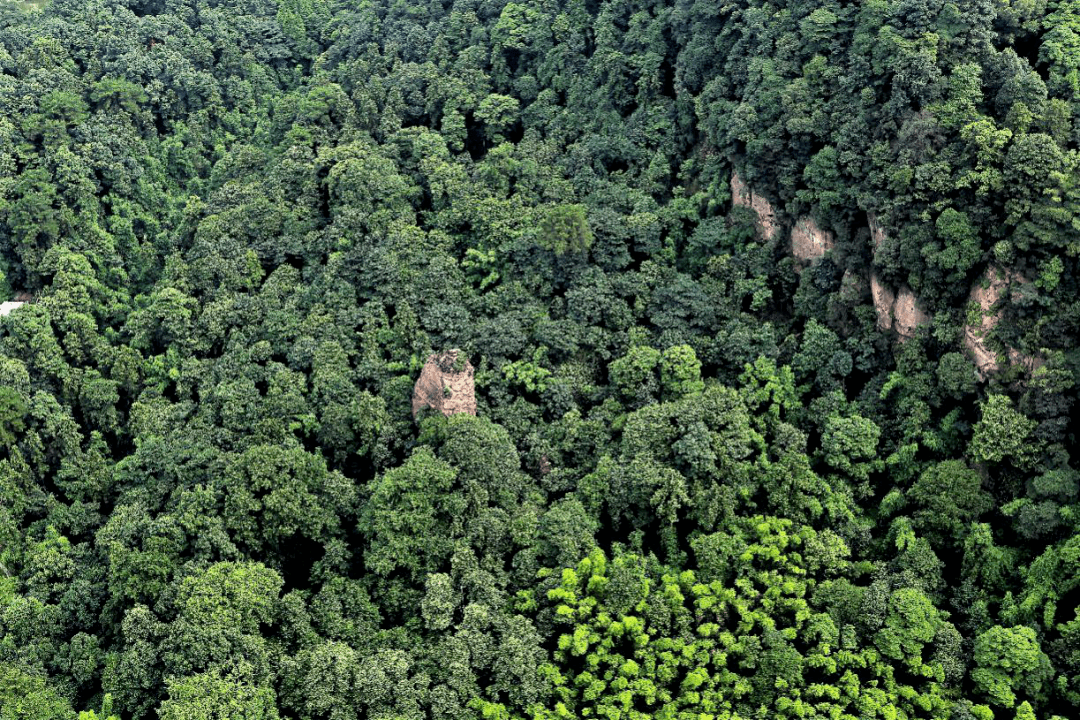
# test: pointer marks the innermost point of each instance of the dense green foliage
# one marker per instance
(702, 483)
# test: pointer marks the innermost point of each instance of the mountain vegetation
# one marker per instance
(706, 478)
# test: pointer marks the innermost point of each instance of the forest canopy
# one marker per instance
(762, 320)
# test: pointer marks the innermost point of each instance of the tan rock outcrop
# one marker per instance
(877, 233)
(1028, 362)
(852, 285)
(808, 241)
(908, 314)
(899, 310)
(975, 336)
(986, 294)
(446, 385)
(743, 196)
(884, 299)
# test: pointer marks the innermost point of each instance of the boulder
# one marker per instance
(446, 385)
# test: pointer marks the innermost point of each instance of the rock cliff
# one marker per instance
(445, 385)
(898, 310)
(743, 196)
(808, 241)
(987, 294)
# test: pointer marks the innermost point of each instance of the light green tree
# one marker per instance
(1002, 433)
(1009, 661)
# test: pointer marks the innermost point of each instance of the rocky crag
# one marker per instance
(987, 295)
(446, 385)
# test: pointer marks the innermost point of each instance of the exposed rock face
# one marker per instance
(808, 241)
(907, 313)
(852, 286)
(898, 310)
(884, 299)
(446, 385)
(975, 336)
(877, 233)
(743, 196)
(1029, 363)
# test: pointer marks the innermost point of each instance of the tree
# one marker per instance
(322, 682)
(1009, 661)
(12, 413)
(986, 562)
(564, 230)
(640, 640)
(106, 711)
(1002, 433)
(680, 372)
(213, 696)
(634, 374)
(949, 496)
(409, 517)
(27, 696)
(498, 113)
(111, 93)
(850, 446)
(960, 247)
(275, 494)
(821, 357)
(221, 611)
(566, 531)
(911, 623)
